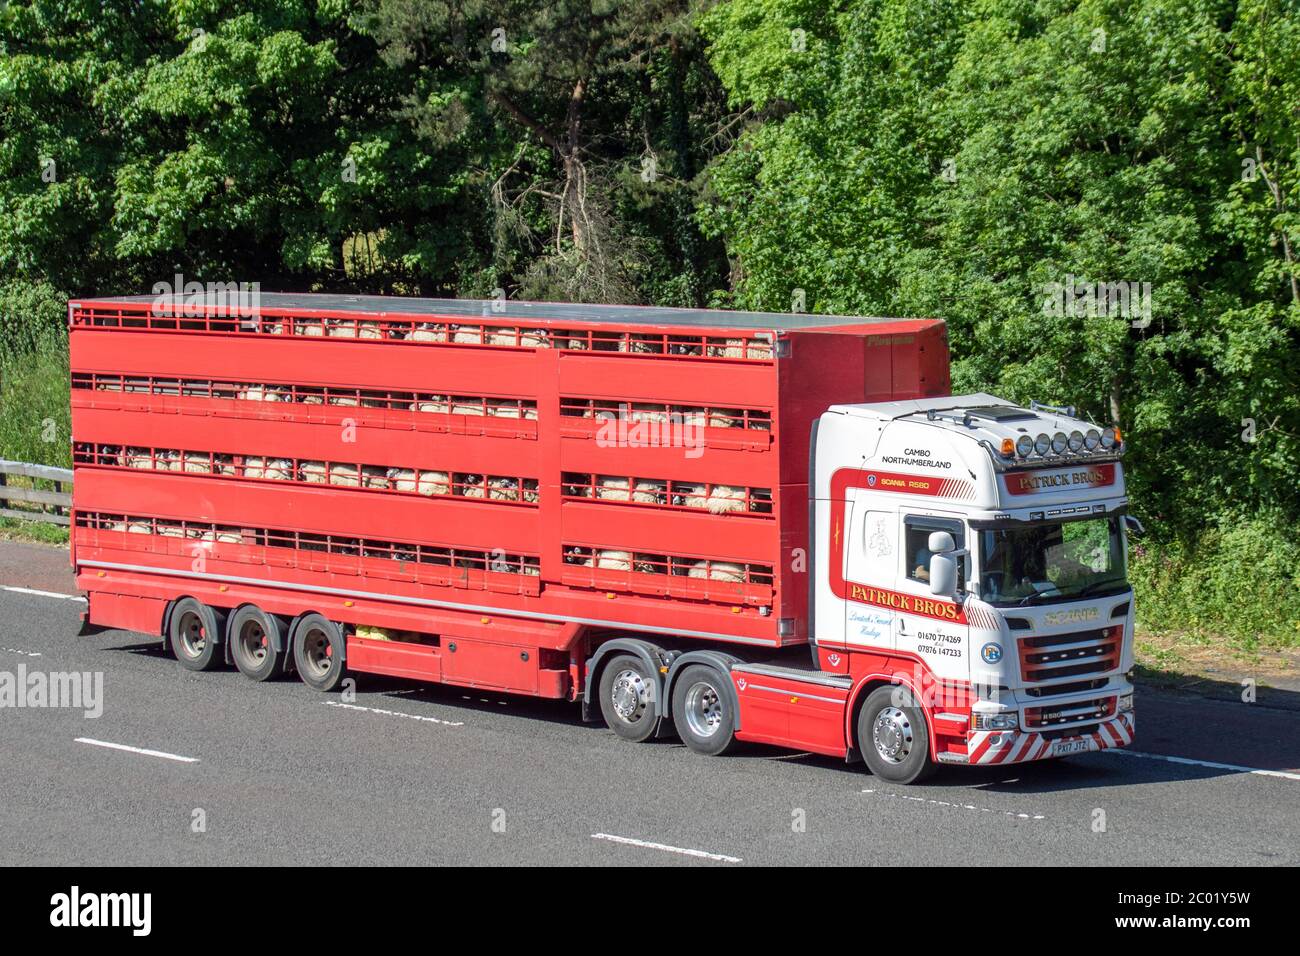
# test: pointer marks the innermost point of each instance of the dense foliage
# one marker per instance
(977, 160)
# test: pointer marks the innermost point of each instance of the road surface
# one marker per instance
(185, 768)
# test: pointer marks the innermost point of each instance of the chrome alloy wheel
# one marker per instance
(704, 713)
(892, 735)
(630, 695)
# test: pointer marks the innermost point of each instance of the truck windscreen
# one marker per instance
(1049, 563)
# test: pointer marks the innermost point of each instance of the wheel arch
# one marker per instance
(858, 696)
(719, 661)
(652, 655)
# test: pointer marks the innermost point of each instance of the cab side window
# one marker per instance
(916, 551)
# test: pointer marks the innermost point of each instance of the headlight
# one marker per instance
(1076, 441)
(1092, 439)
(1108, 438)
(1043, 444)
(995, 721)
(1125, 703)
(1025, 446)
(1059, 442)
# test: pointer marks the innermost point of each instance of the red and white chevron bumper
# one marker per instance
(1003, 747)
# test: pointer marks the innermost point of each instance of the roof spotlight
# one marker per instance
(1043, 444)
(1076, 441)
(1092, 439)
(1024, 446)
(1059, 442)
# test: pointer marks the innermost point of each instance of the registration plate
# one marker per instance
(1072, 745)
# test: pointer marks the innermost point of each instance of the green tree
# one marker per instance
(966, 160)
(584, 121)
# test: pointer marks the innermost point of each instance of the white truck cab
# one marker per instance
(975, 555)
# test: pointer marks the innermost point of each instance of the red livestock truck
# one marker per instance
(723, 525)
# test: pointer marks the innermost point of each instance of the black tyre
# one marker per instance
(194, 631)
(253, 636)
(627, 697)
(318, 651)
(702, 711)
(892, 736)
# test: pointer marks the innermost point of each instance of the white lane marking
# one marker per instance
(1207, 763)
(958, 806)
(684, 851)
(53, 594)
(15, 650)
(137, 750)
(395, 713)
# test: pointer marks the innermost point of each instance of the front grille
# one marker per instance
(1055, 657)
(1074, 687)
(1052, 716)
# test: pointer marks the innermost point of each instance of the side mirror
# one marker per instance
(1134, 526)
(943, 570)
(941, 542)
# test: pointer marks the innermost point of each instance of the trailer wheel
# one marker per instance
(701, 714)
(318, 652)
(253, 634)
(627, 697)
(193, 631)
(892, 736)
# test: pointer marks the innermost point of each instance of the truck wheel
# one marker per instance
(318, 652)
(627, 697)
(701, 712)
(193, 631)
(892, 736)
(253, 634)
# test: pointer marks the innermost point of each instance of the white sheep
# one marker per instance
(432, 403)
(720, 571)
(345, 476)
(429, 332)
(610, 561)
(470, 486)
(277, 469)
(261, 393)
(427, 483)
(192, 462)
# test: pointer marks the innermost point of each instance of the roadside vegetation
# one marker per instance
(970, 161)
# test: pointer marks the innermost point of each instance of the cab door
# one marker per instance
(870, 565)
(928, 626)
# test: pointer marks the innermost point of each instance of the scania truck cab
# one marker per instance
(975, 557)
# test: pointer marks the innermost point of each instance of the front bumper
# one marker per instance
(1020, 746)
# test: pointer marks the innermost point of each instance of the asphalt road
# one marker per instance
(279, 774)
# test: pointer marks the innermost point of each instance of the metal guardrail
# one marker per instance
(54, 505)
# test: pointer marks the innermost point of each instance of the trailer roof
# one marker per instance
(550, 311)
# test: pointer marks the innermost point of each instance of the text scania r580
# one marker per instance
(720, 525)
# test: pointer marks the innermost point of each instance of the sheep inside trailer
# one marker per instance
(488, 476)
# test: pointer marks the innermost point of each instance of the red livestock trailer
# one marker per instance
(501, 495)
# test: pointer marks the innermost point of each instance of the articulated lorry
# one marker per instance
(726, 526)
